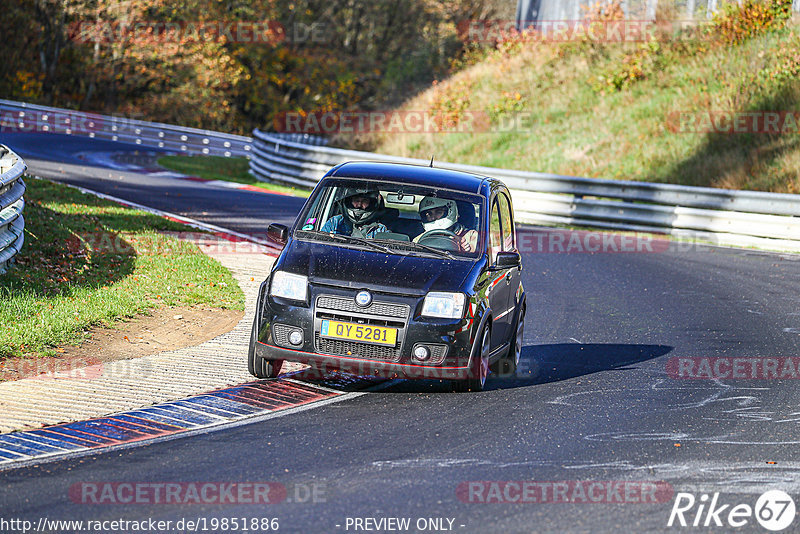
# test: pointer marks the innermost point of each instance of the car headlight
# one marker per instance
(289, 286)
(444, 305)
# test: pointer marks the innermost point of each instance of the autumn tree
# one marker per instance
(111, 55)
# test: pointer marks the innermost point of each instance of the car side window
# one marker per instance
(495, 231)
(322, 204)
(507, 223)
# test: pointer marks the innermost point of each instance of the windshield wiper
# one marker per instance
(437, 251)
(361, 241)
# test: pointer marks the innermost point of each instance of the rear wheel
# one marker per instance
(507, 365)
(480, 365)
(258, 366)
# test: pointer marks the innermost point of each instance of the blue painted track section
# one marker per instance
(210, 409)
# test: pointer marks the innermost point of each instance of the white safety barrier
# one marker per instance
(22, 117)
(12, 203)
(739, 218)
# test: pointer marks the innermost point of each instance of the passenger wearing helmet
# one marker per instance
(442, 214)
(361, 210)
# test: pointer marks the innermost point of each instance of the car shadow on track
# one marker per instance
(542, 364)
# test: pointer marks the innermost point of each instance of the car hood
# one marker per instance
(327, 264)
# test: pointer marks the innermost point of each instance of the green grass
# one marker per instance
(90, 262)
(576, 129)
(225, 169)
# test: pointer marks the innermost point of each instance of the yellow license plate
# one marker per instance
(375, 335)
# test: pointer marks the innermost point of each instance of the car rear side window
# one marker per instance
(507, 223)
(495, 232)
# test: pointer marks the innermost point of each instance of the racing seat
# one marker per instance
(401, 225)
(466, 214)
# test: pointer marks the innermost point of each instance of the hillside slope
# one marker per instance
(652, 111)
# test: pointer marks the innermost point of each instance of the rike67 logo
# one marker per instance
(773, 510)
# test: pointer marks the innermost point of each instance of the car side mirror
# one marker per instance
(507, 260)
(278, 233)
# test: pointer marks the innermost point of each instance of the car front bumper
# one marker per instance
(326, 363)
(450, 341)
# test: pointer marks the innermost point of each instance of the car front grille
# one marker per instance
(352, 349)
(348, 305)
(383, 314)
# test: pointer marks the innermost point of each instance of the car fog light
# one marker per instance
(296, 337)
(422, 353)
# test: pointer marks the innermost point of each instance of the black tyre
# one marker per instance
(507, 365)
(480, 365)
(258, 366)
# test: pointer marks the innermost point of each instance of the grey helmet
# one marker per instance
(447, 221)
(362, 216)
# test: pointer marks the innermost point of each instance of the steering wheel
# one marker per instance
(441, 238)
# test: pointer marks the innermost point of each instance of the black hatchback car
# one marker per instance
(395, 270)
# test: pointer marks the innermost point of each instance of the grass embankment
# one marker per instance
(90, 262)
(608, 110)
(225, 169)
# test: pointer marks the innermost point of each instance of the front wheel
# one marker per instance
(507, 365)
(258, 366)
(480, 365)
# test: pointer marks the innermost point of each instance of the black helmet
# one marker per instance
(362, 216)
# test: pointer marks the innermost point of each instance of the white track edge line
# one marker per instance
(185, 220)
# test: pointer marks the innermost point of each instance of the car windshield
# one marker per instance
(395, 218)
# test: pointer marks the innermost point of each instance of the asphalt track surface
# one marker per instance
(88, 163)
(594, 400)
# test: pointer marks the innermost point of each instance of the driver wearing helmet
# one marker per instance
(361, 210)
(442, 214)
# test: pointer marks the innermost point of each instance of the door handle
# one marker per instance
(508, 277)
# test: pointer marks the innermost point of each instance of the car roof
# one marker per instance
(412, 174)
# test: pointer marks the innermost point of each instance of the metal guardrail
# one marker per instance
(12, 203)
(24, 117)
(740, 218)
